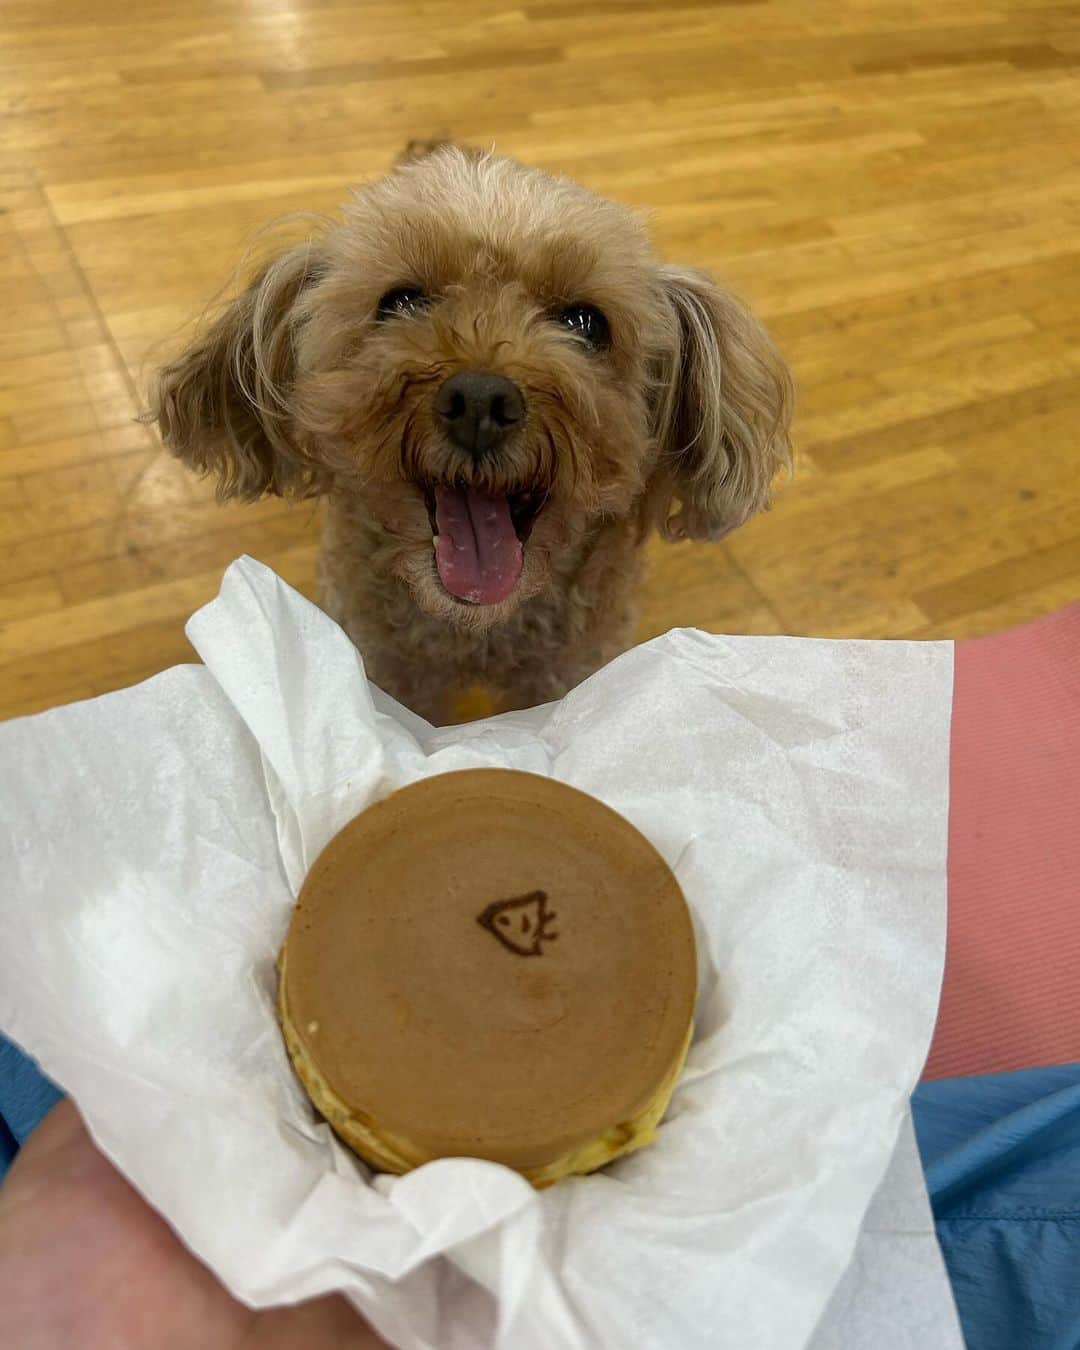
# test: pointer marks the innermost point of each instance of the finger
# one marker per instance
(330, 1323)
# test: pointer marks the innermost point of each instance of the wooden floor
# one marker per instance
(896, 187)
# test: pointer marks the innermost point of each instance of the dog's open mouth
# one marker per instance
(480, 539)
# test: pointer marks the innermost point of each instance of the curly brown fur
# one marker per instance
(301, 388)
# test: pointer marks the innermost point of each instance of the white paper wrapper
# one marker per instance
(152, 843)
(895, 1294)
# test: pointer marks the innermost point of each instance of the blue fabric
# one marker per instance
(26, 1096)
(1001, 1153)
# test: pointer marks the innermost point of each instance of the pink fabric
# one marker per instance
(1011, 996)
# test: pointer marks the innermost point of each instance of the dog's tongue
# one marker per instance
(478, 553)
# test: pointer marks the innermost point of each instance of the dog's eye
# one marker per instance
(587, 323)
(402, 300)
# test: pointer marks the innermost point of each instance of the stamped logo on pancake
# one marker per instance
(522, 924)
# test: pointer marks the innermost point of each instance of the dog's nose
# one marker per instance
(478, 409)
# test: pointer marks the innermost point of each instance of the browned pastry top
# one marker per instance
(492, 963)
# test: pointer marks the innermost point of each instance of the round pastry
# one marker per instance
(489, 964)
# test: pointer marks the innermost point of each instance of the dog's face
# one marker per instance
(475, 357)
(493, 360)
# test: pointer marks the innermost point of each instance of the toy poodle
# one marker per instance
(499, 390)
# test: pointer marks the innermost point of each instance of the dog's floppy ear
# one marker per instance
(223, 406)
(722, 412)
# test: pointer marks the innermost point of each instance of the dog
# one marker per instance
(500, 391)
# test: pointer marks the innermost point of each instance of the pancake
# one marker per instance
(489, 964)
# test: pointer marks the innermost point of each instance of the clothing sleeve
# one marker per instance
(1001, 1153)
(26, 1097)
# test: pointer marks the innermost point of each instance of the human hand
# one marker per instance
(86, 1264)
